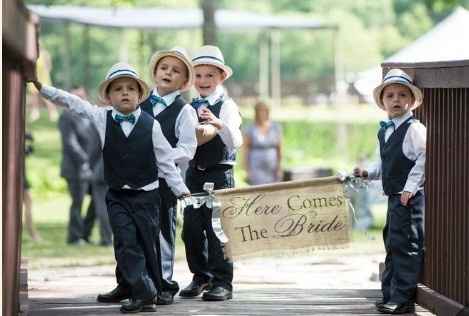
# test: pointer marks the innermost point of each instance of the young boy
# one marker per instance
(172, 74)
(135, 151)
(220, 137)
(402, 142)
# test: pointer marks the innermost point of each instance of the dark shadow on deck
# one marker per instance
(259, 302)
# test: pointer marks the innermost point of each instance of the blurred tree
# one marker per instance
(209, 27)
(369, 32)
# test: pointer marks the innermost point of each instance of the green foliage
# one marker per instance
(414, 22)
(369, 31)
(43, 166)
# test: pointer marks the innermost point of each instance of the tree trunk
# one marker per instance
(209, 27)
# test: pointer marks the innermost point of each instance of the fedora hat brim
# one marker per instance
(206, 61)
(155, 59)
(418, 96)
(103, 86)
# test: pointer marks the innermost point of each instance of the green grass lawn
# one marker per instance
(307, 142)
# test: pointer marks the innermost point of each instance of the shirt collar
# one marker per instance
(401, 119)
(136, 113)
(216, 95)
(169, 98)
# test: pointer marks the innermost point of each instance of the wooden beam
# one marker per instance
(275, 68)
(452, 74)
(437, 303)
(263, 66)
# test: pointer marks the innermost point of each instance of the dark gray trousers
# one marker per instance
(134, 217)
(77, 189)
(204, 252)
(167, 237)
(404, 243)
(98, 210)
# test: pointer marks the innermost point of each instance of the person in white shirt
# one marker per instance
(172, 74)
(402, 144)
(134, 152)
(219, 137)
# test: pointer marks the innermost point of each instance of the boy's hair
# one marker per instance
(140, 91)
(213, 66)
(382, 91)
(121, 70)
(176, 52)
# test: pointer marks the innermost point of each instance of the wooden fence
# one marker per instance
(445, 112)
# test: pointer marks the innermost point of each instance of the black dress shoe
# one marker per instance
(380, 302)
(193, 289)
(395, 308)
(115, 296)
(217, 293)
(164, 298)
(137, 306)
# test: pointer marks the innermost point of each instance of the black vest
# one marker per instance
(395, 165)
(214, 151)
(167, 117)
(129, 160)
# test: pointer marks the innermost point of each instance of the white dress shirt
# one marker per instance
(184, 128)
(161, 148)
(413, 147)
(230, 133)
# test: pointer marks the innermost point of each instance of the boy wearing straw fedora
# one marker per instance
(402, 143)
(213, 162)
(172, 74)
(135, 151)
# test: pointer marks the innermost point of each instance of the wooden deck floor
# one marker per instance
(259, 302)
(331, 283)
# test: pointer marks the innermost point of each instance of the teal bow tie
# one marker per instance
(154, 99)
(121, 118)
(198, 102)
(386, 124)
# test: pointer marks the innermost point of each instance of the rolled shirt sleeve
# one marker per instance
(76, 104)
(414, 148)
(165, 161)
(374, 170)
(186, 124)
(230, 133)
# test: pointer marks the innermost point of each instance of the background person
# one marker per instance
(263, 148)
(27, 199)
(75, 166)
(97, 187)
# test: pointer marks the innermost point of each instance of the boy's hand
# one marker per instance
(184, 195)
(359, 172)
(205, 133)
(31, 76)
(208, 117)
(405, 197)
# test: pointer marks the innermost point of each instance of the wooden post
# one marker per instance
(263, 66)
(209, 27)
(275, 68)
(141, 53)
(335, 59)
(66, 53)
(86, 53)
(124, 47)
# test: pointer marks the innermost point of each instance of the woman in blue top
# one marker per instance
(263, 142)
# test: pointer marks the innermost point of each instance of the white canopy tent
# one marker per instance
(447, 41)
(158, 18)
(167, 19)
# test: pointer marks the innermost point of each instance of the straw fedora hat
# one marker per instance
(211, 55)
(179, 53)
(400, 77)
(121, 70)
